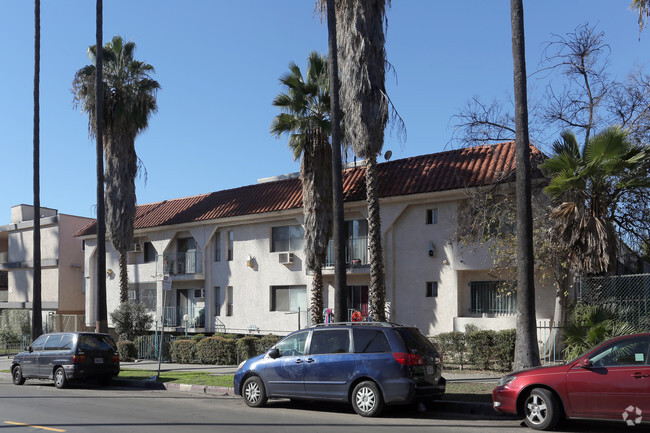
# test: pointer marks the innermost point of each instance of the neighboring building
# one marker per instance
(236, 263)
(62, 261)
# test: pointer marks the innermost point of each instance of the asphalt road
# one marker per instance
(40, 407)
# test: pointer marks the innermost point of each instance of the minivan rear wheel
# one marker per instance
(17, 375)
(367, 399)
(60, 381)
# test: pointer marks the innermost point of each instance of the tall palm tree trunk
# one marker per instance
(124, 277)
(338, 223)
(377, 279)
(526, 349)
(101, 323)
(317, 295)
(37, 319)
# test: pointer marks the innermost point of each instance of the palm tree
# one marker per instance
(360, 28)
(305, 117)
(37, 319)
(643, 6)
(129, 99)
(591, 183)
(526, 349)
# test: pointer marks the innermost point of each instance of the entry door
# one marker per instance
(329, 365)
(30, 362)
(285, 375)
(619, 378)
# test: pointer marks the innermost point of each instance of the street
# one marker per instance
(39, 407)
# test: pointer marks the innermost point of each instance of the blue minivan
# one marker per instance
(367, 364)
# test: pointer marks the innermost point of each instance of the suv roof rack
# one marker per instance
(384, 324)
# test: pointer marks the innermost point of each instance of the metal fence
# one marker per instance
(626, 296)
(549, 341)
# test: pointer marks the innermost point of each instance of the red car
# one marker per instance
(610, 382)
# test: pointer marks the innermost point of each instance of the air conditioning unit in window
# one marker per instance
(135, 247)
(286, 258)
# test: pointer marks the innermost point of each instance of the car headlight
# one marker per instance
(241, 365)
(505, 380)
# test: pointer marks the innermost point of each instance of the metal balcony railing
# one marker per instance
(356, 252)
(179, 263)
(174, 317)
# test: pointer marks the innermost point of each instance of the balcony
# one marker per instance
(491, 298)
(189, 263)
(174, 317)
(356, 252)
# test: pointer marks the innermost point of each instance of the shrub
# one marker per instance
(504, 348)
(127, 350)
(245, 348)
(452, 346)
(198, 337)
(131, 319)
(480, 345)
(265, 342)
(217, 351)
(184, 351)
(7, 336)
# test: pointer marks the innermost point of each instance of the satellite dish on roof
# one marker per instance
(388, 154)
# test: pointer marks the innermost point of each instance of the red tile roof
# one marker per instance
(470, 167)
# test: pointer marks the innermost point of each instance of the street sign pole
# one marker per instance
(167, 286)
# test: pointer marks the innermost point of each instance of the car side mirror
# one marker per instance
(274, 353)
(30, 349)
(586, 363)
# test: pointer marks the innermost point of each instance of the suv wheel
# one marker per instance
(367, 399)
(17, 375)
(253, 392)
(60, 380)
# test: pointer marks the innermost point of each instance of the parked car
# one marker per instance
(368, 364)
(610, 382)
(68, 356)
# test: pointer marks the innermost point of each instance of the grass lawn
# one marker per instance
(185, 377)
(477, 392)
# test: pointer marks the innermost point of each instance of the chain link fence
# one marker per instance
(626, 296)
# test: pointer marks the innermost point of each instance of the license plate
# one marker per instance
(99, 360)
(429, 369)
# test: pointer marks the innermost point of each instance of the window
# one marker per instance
(39, 343)
(432, 289)
(288, 298)
(493, 297)
(217, 301)
(53, 343)
(294, 345)
(149, 252)
(144, 293)
(217, 247)
(287, 238)
(66, 342)
(229, 301)
(330, 341)
(432, 216)
(231, 244)
(370, 341)
(627, 352)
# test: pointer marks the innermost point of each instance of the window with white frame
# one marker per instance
(287, 238)
(432, 216)
(231, 245)
(217, 301)
(432, 289)
(217, 247)
(229, 301)
(288, 298)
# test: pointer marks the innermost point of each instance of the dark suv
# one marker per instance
(67, 356)
(368, 364)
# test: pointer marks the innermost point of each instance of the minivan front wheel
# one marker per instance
(17, 375)
(253, 392)
(367, 399)
(60, 380)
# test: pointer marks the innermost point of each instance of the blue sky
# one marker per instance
(218, 63)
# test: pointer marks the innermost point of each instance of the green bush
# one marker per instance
(7, 336)
(131, 319)
(217, 351)
(198, 337)
(453, 347)
(184, 351)
(504, 348)
(480, 345)
(127, 350)
(246, 348)
(265, 342)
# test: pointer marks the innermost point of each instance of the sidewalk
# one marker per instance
(443, 406)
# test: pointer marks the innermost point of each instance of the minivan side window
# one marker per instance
(66, 342)
(53, 343)
(370, 341)
(330, 341)
(294, 345)
(39, 343)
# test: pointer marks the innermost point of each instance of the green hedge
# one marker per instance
(483, 349)
(127, 350)
(245, 348)
(184, 351)
(217, 351)
(265, 342)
